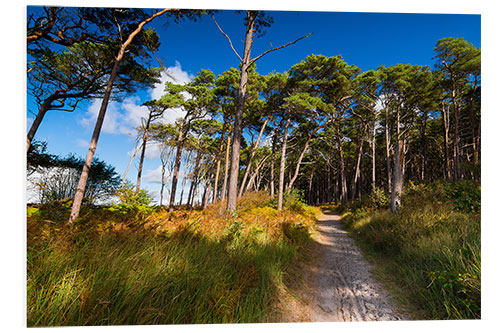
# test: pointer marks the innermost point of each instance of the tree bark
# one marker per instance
(219, 153)
(374, 132)
(238, 119)
(358, 166)
(143, 153)
(194, 180)
(397, 184)
(250, 160)
(302, 154)
(177, 166)
(271, 171)
(388, 150)
(38, 120)
(282, 166)
(226, 168)
(77, 201)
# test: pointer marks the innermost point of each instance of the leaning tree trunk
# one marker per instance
(218, 158)
(238, 118)
(302, 154)
(38, 120)
(250, 160)
(282, 166)
(82, 183)
(357, 172)
(177, 166)
(143, 153)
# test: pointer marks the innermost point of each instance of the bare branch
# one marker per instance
(277, 48)
(229, 39)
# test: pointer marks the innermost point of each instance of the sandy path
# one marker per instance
(343, 286)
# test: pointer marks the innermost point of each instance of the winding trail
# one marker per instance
(339, 286)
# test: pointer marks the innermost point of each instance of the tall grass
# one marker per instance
(168, 268)
(431, 248)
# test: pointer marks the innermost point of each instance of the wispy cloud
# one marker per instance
(123, 117)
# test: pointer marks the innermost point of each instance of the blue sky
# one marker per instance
(367, 40)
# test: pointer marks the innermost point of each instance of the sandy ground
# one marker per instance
(337, 285)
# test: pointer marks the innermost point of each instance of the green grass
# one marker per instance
(430, 250)
(139, 275)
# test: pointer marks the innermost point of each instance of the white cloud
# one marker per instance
(82, 143)
(153, 176)
(123, 117)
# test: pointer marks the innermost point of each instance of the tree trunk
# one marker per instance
(177, 167)
(282, 166)
(238, 118)
(82, 183)
(226, 168)
(194, 179)
(218, 158)
(397, 184)
(136, 151)
(250, 160)
(446, 124)
(358, 166)
(302, 154)
(273, 155)
(373, 156)
(388, 150)
(343, 180)
(38, 120)
(143, 153)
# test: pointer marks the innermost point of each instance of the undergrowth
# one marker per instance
(430, 249)
(119, 265)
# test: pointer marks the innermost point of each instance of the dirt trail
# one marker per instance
(338, 284)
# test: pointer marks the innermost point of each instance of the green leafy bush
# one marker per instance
(130, 201)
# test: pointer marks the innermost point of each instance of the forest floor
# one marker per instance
(336, 284)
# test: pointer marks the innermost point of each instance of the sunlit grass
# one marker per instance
(430, 250)
(170, 268)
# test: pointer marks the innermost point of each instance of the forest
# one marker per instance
(246, 172)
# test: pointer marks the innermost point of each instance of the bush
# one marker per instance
(465, 196)
(131, 201)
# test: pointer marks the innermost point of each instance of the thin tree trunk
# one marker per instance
(273, 155)
(218, 158)
(136, 151)
(343, 180)
(302, 154)
(388, 150)
(38, 120)
(446, 124)
(373, 156)
(82, 183)
(177, 166)
(194, 179)
(282, 166)
(143, 153)
(358, 165)
(250, 160)
(226, 168)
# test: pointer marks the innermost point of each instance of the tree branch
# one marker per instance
(229, 39)
(277, 48)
